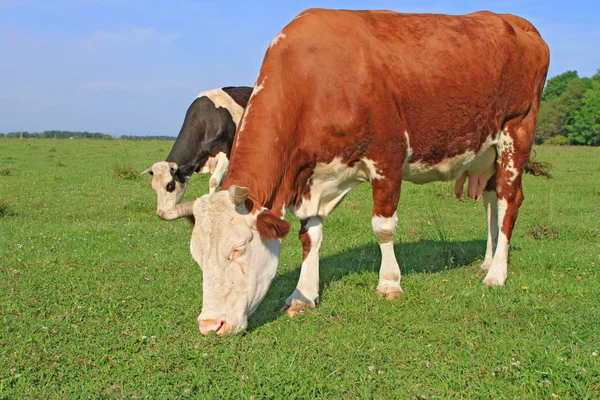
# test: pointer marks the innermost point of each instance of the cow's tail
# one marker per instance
(537, 168)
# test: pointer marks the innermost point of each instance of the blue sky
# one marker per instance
(134, 66)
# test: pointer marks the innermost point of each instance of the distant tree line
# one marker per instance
(570, 111)
(79, 135)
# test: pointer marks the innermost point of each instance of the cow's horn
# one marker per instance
(179, 211)
(147, 170)
(238, 194)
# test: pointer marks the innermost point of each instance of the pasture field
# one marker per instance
(99, 298)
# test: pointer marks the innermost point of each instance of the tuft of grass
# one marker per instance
(6, 171)
(4, 208)
(541, 231)
(52, 150)
(125, 171)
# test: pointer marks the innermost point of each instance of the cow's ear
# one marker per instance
(147, 171)
(269, 226)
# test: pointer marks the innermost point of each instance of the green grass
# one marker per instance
(99, 298)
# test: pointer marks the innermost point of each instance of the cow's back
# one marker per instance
(443, 79)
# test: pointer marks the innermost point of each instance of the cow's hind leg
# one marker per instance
(306, 294)
(490, 203)
(513, 151)
(384, 220)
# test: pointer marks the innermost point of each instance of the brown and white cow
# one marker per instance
(345, 97)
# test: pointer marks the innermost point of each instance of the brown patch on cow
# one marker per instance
(304, 239)
(270, 226)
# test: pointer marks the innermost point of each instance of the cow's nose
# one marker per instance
(220, 326)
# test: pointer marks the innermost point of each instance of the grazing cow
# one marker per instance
(345, 97)
(204, 140)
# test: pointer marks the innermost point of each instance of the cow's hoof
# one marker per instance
(492, 281)
(391, 295)
(296, 308)
(481, 273)
(483, 270)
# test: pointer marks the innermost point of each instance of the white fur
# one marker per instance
(451, 168)
(277, 38)
(232, 288)
(161, 176)
(384, 224)
(409, 149)
(222, 99)
(219, 172)
(497, 273)
(307, 289)
(330, 183)
(490, 202)
(389, 272)
(255, 91)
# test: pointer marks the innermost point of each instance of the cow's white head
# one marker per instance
(238, 252)
(168, 183)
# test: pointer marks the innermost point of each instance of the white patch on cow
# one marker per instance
(490, 202)
(222, 99)
(330, 183)
(498, 271)
(283, 211)
(480, 163)
(280, 36)
(409, 149)
(255, 91)
(301, 15)
(384, 226)
(506, 145)
(373, 174)
(307, 289)
(219, 171)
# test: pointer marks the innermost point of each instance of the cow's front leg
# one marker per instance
(216, 177)
(306, 294)
(386, 194)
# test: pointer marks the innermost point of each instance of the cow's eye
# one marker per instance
(238, 250)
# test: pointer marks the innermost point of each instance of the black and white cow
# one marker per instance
(207, 134)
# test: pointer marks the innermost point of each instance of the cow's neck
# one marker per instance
(261, 155)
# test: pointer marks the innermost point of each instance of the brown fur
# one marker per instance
(269, 226)
(304, 239)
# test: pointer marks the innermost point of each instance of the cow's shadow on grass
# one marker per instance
(426, 256)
